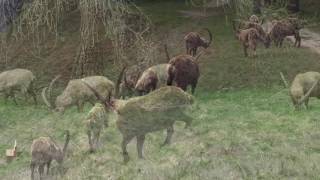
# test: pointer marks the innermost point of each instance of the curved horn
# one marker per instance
(306, 96)
(66, 143)
(234, 25)
(198, 56)
(285, 82)
(262, 21)
(167, 52)
(44, 90)
(45, 100)
(96, 93)
(119, 81)
(210, 36)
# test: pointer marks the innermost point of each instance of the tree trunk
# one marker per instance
(257, 6)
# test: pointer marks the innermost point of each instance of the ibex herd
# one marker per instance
(249, 33)
(161, 104)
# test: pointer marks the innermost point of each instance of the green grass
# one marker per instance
(244, 126)
(243, 134)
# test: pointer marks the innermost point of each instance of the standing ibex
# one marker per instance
(250, 35)
(15, 80)
(194, 41)
(284, 28)
(183, 71)
(43, 151)
(304, 86)
(76, 93)
(95, 122)
(156, 111)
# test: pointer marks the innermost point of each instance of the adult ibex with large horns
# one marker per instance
(194, 41)
(141, 115)
(304, 86)
(76, 93)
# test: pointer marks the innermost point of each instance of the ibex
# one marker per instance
(304, 86)
(76, 93)
(129, 80)
(43, 151)
(194, 41)
(282, 29)
(15, 80)
(96, 120)
(152, 78)
(183, 71)
(144, 114)
(250, 35)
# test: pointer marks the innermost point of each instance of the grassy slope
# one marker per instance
(247, 133)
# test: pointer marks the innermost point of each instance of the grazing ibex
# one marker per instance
(95, 122)
(15, 80)
(153, 78)
(141, 115)
(43, 151)
(194, 41)
(282, 29)
(304, 86)
(76, 93)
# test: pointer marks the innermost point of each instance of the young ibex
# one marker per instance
(76, 93)
(152, 78)
(15, 80)
(141, 115)
(194, 41)
(43, 151)
(304, 86)
(282, 29)
(249, 35)
(95, 122)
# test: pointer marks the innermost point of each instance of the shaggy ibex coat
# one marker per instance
(194, 41)
(15, 80)
(184, 71)
(43, 151)
(96, 120)
(305, 85)
(156, 111)
(153, 78)
(76, 93)
(282, 29)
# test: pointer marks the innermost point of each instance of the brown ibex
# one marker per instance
(249, 34)
(183, 71)
(304, 86)
(155, 111)
(43, 151)
(282, 29)
(76, 93)
(194, 41)
(15, 80)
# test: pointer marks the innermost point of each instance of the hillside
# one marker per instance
(244, 126)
